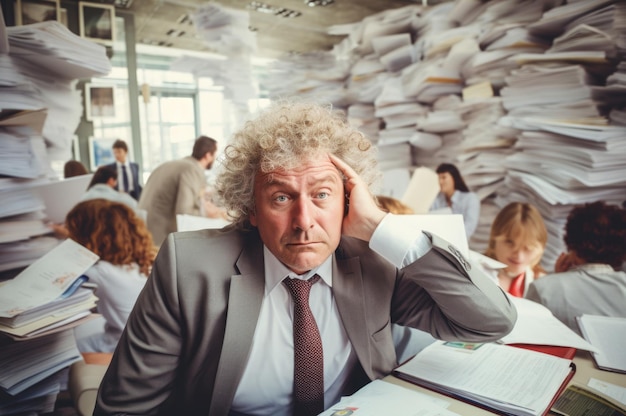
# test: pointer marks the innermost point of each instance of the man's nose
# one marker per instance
(302, 218)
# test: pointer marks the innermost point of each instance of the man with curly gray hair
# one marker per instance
(223, 328)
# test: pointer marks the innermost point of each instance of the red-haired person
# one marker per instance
(115, 233)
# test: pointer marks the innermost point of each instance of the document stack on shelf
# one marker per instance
(500, 378)
(46, 297)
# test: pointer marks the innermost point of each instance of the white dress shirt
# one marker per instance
(266, 386)
(120, 177)
(464, 203)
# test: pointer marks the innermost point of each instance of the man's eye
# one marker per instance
(281, 198)
(322, 195)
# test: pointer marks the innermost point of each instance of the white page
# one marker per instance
(45, 279)
(72, 190)
(536, 325)
(608, 334)
(609, 389)
(492, 372)
(380, 398)
(422, 190)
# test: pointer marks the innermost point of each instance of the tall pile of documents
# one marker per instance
(540, 88)
(39, 112)
(39, 308)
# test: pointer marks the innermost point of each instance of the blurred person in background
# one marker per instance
(587, 279)
(74, 168)
(177, 187)
(127, 171)
(455, 195)
(120, 238)
(518, 239)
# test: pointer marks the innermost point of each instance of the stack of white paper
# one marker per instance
(24, 364)
(39, 398)
(554, 20)
(17, 92)
(224, 29)
(66, 57)
(51, 45)
(46, 297)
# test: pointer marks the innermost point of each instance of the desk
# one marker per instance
(585, 369)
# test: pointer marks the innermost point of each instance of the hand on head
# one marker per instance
(363, 214)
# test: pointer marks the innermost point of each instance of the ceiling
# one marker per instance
(281, 26)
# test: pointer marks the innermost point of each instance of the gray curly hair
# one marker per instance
(285, 136)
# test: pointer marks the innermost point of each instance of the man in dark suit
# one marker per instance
(127, 171)
(216, 330)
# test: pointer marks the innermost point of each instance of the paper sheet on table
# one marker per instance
(536, 325)
(609, 389)
(608, 334)
(380, 398)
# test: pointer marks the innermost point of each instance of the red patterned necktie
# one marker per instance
(308, 377)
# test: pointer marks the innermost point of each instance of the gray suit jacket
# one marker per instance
(174, 187)
(594, 289)
(134, 172)
(186, 343)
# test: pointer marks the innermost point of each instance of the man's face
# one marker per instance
(120, 154)
(299, 213)
(210, 159)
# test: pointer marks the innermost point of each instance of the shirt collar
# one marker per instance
(594, 267)
(275, 271)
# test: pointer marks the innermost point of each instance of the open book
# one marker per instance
(501, 378)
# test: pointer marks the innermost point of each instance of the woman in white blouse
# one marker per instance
(115, 233)
(456, 196)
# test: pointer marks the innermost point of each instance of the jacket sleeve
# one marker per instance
(441, 293)
(190, 189)
(141, 375)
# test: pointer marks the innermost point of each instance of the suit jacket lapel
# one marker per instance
(349, 295)
(244, 304)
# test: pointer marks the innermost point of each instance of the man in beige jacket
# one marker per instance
(176, 187)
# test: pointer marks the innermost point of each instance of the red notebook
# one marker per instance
(563, 352)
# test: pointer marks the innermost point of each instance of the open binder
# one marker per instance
(500, 378)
